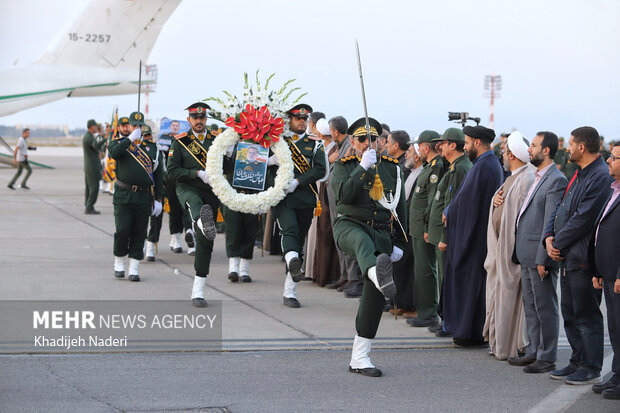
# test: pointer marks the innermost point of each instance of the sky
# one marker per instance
(559, 59)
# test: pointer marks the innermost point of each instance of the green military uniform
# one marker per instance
(366, 229)
(92, 147)
(193, 193)
(426, 281)
(134, 193)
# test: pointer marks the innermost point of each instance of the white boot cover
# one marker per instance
(244, 267)
(119, 263)
(198, 290)
(233, 264)
(359, 354)
(290, 286)
(133, 266)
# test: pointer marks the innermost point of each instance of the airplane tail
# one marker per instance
(110, 33)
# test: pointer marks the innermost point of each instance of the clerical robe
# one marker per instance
(463, 305)
(503, 326)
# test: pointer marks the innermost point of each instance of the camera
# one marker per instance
(462, 118)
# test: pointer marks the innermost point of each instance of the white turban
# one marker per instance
(322, 126)
(518, 145)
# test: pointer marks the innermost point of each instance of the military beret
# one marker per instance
(136, 118)
(301, 110)
(427, 136)
(479, 132)
(91, 122)
(198, 108)
(358, 128)
(452, 135)
(122, 120)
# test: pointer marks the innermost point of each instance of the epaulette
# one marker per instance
(389, 159)
(347, 159)
(180, 136)
(117, 137)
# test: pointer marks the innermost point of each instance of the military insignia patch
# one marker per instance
(434, 178)
(434, 162)
(171, 152)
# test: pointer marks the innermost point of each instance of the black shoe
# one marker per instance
(345, 286)
(384, 276)
(10, 187)
(119, 274)
(91, 211)
(294, 267)
(246, 279)
(335, 284)
(189, 239)
(521, 361)
(560, 374)
(465, 342)
(134, 277)
(388, 307)
(25, 186)
(177, 250)
(208, 223)
(199, 302)
(539, 366)
(291, 302)
(370, 371)
(150, 259)
(613, 393)
(424, 322)
(233, 277)
(612, 382)
(355, 291)
(442, 333)
(435, 328)
(583, 376)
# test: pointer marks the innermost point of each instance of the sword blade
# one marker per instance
(359, 66)
(139, 84)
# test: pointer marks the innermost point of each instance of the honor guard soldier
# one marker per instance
(137, 195)
(372, 216)
(186, 167)
(93, 145)
(426, 282)
(294, 213)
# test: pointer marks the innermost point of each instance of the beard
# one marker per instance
(537, 160)
(409, 163)
(472, 154)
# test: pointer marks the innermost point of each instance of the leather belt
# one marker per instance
(378, 225)
(135, 188)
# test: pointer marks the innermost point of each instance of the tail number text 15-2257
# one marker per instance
(90, 37)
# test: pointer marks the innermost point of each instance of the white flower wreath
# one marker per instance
(248, 203)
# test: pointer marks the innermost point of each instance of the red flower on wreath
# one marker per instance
(257, 125)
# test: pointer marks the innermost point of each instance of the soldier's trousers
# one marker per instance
(20, 167)
(91, 190)
(404, 280)
(193, 200)
(426, 285)
(131, 222)
(365, 244)
(240, 233)
(178, 219)
(294, 224)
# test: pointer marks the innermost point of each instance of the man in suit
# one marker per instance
(539, 274)
(566, 237)
(604, 251)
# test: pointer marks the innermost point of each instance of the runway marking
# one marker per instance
(566, 395)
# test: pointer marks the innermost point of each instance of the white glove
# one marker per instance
(273, 160)
(135, 135)
(369, 158)
(397, 254)
(292, 186)
(157, 209)
(203, 175)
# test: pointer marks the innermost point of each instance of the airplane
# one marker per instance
(99, 55)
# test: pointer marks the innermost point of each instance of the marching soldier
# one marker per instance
(186, 167)
(294, 213)
(426, 282)
(369, 220)
(137, 195)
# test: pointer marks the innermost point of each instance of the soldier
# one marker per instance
(426, 281)
(365, 228)
(186, 167)
(92, 146)
(294, 213)
(137, 195)
(451, 146)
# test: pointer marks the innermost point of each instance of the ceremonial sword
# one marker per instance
(359, 66)
(139, 83)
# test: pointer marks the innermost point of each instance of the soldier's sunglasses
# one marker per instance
(362, 139)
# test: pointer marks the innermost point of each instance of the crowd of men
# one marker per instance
(459, 237)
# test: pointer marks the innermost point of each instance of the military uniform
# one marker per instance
(92, 147)
(294, 213)
(186, 159)
(426, 281)
(139, 174)
(446, 190)
(364, 229)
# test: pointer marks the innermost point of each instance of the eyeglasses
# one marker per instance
(613, 158)
(197, 116)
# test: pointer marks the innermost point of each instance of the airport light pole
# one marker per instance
(492, 84)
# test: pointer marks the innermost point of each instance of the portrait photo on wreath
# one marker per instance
(250, 166)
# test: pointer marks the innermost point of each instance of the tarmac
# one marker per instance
(272, 358)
